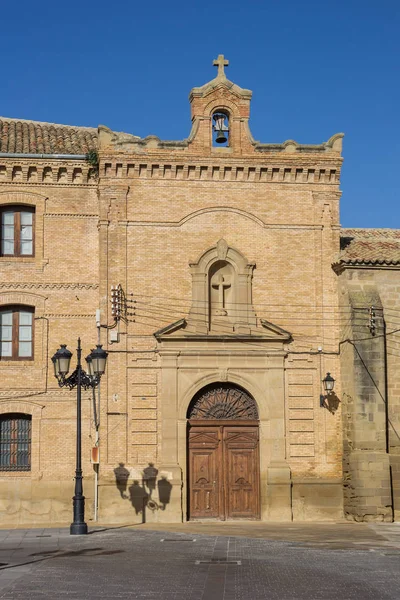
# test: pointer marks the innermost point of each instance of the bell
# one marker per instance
(220, 139)
(220, 128)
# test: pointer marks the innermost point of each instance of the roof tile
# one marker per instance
(33, 137)
(370, 247)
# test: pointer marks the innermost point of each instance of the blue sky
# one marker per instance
(315, 68)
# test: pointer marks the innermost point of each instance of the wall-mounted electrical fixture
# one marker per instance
(117, 298)
(113, 336)
(372, 320)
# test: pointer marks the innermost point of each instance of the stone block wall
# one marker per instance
(370, 397)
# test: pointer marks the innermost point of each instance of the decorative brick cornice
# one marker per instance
(71, 215)
(41, 395)
(68, 316)
(49, 172)
(48, 286)
(287, 171)
(22, 394)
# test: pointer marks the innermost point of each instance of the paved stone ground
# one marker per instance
(264, 561)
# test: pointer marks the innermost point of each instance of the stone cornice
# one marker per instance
(334, 144)
(221, 81)
(340, 267)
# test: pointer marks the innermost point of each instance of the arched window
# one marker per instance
(15, 442)
(223, 401)
(17, 230)
(220, 128)
(16, 332)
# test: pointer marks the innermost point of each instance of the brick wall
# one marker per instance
(156, 207)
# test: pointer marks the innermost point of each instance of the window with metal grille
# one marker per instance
(17, 231)
(15, 442)
(16, 333)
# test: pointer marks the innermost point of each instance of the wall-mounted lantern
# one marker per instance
(329, 383)
(329, 400)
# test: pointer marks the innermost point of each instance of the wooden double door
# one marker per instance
(223, 471)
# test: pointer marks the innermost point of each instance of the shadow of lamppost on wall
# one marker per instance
(139, 498)
(121, 479)
(141, 492)
(330, 402)
(164, 492)
(150, 478)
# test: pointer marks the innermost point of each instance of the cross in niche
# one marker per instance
(221, 62)
(221, 285)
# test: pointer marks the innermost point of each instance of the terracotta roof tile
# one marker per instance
(369, 247)
(33, 137)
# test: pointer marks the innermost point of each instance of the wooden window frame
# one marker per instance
(18, 209)
(15, 440)
(16, 309)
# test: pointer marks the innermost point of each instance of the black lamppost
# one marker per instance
(96, 362)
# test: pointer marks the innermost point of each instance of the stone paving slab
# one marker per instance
(340, 535)
(179, 562)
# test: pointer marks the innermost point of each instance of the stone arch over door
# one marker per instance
(223, 454)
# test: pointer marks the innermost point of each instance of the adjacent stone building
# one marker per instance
(211, 270)
(368, 271)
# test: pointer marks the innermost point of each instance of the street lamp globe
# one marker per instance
(89, 364)
(61, 361)
(98, 361)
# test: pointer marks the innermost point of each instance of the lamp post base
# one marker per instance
(78, 526)
(78, 529)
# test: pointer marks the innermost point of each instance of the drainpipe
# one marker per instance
(386, 385)
(387, 412)
(97, 426)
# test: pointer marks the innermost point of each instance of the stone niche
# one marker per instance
(221, 292)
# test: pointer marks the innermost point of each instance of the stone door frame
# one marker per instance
(184, 372)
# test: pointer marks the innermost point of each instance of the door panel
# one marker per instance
(204, 451)
(241, 472)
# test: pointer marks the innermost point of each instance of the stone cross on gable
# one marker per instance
(221, 62)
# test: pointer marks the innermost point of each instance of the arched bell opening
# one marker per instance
(223, 454)
(220, 128)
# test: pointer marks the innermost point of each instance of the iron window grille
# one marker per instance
(15, 442)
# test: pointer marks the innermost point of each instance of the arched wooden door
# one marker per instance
(223, 456)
